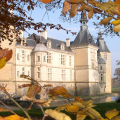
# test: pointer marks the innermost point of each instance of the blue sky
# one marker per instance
(112, 43)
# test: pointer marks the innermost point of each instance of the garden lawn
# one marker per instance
(36, 114)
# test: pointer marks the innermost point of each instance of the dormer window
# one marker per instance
(62, 46)
(49, 43)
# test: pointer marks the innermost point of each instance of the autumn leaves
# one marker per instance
(112, 10)
(5, 56)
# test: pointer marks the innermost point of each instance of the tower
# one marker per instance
(104, 53)
(86, 73)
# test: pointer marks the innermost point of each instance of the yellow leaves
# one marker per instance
(46, 1)
(72, 108)
(112, 113)
(66, 7)
(5, 55)
(73, 10)
(105, 21)
(116, 22)
(62, 107)
(117, 118)
(78, 104)
(94, 113)
(14, 117)
(56, 115)
(80, 117)
(2, 62)
(116, 28)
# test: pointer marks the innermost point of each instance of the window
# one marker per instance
(48, 57)
(17, 56)
(23, 71)
(63, 59)
(63, 75)
(28, 57)
(23, 58)
(101, 67)
(70, 60)
(101, 77)
(49, 73)
(38, 58)
(18, 74)
(44, 59)
(38, 72)
(105, 56)
(83, 23)
(70, 74)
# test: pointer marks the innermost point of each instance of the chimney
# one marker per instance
(21, 34)
(68, 42)
(44, 34)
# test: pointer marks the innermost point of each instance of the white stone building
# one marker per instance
(82, 66)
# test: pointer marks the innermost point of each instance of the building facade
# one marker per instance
(82, 66)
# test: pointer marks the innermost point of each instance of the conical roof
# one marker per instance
(102, 45)
(83, 37)
(101, 60)
(40, 48)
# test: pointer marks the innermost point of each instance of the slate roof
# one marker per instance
(102, 46)
(55, 44)
(40, 48)
(83, 38)
(101, 60)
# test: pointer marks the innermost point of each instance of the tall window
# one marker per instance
(23, 71)
(70, 74)
(70, 60)
(17, 56)
(28, 57)
(23, 57)
(101, 77)
(49, 73)
(63, 59)
(38, 58)
(18, 74)
(48, 57)
(38, 72)
(44, 58)
(105, 56)
(101, 67)
(63, 75)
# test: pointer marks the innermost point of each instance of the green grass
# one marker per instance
(101, 108)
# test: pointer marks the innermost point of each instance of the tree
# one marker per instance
(116, 79)
(14, 13)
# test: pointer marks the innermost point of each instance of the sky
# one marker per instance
(39, 15)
